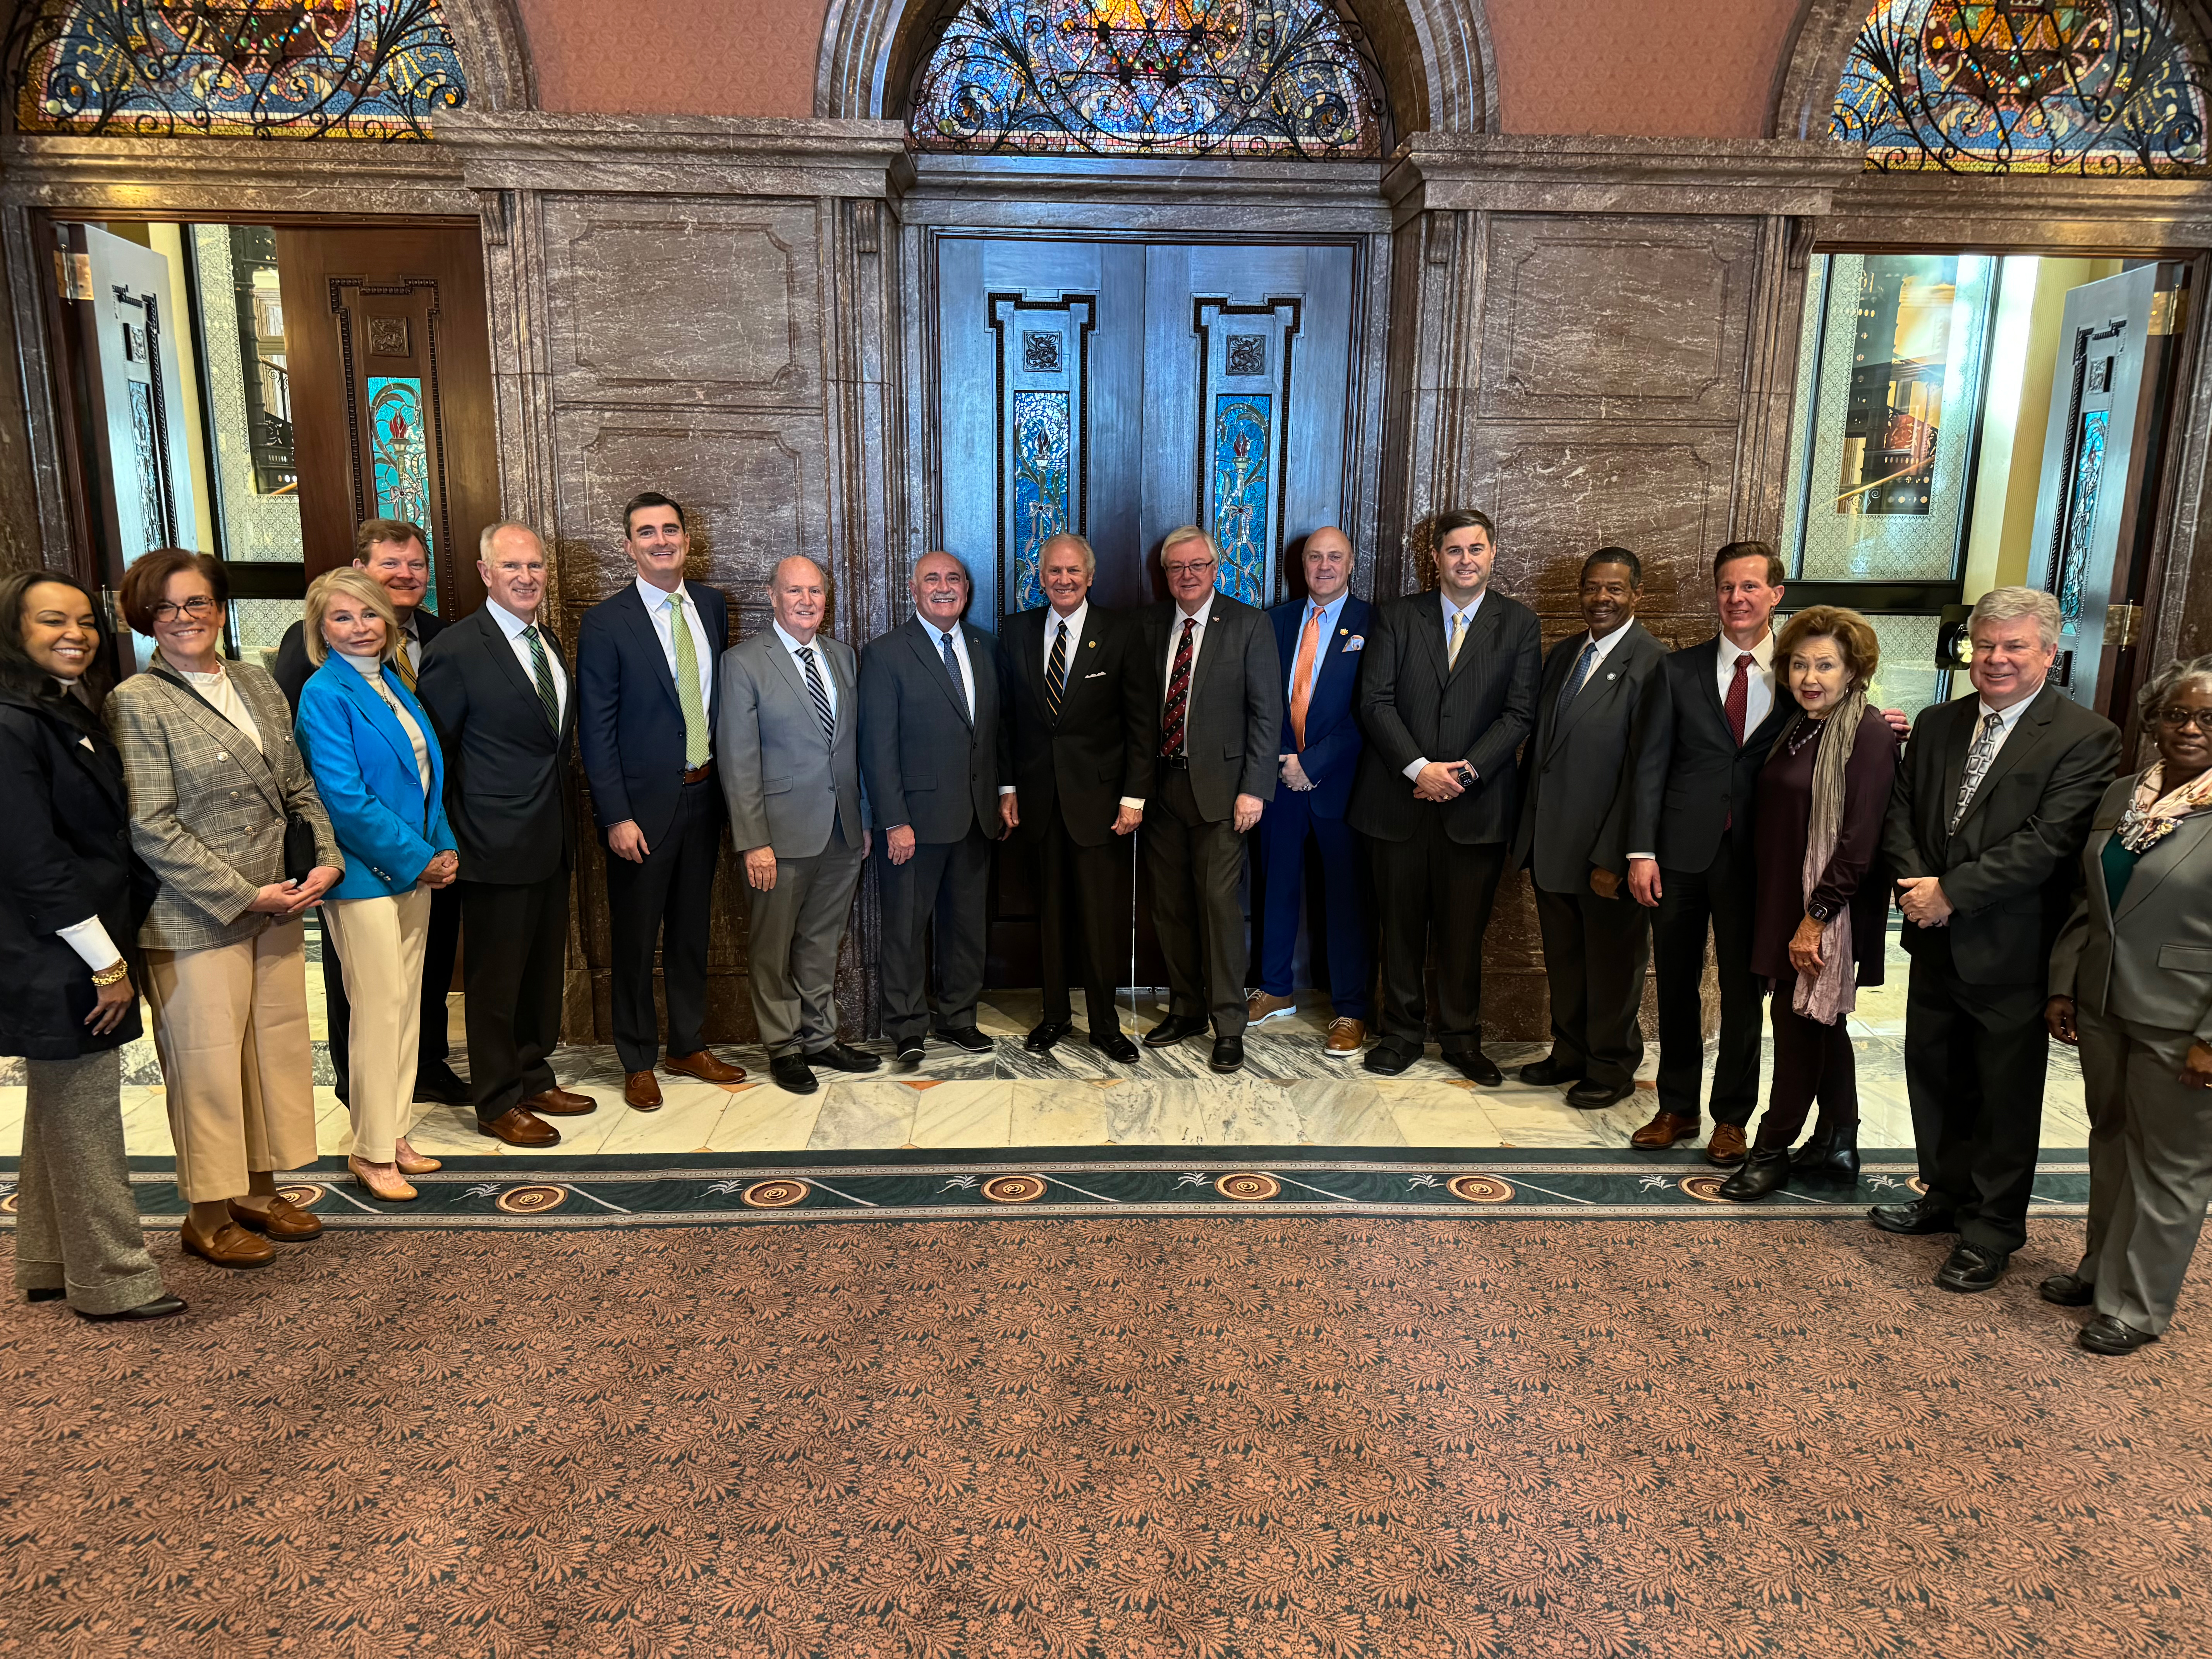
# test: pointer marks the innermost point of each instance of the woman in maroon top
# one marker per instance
(1822, 906)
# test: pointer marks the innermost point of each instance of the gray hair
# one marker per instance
(1090, 558)
(2167, 680)
(2002, 604)
(483, 542)
(1187, 532)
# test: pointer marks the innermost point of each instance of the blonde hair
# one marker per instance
(1189, 532)
(353, 585)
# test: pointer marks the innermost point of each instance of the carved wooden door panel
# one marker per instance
(391, 376)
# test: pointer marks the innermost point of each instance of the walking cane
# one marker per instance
(1133, 834)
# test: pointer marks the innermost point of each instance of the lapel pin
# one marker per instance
(1092, 644)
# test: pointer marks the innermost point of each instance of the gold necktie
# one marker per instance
(1459, 637)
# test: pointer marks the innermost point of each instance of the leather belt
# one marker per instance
(699, 774)
(1176, 763)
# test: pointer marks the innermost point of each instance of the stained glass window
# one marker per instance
(247, 69)
(1179, 77)
(2104, 86)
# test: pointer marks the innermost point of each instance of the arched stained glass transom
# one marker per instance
(2100, 87)
(1168, 77)
(247, 69)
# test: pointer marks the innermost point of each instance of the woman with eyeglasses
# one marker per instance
(214, 778)
(70, 890)
(2131, 985)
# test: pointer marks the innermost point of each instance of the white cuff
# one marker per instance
(1005, 788)
(1136, 801)
(1648, 858)
(89, 940)
(1414, 771)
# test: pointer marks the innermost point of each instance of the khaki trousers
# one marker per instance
(380, 943)
(230, 1025)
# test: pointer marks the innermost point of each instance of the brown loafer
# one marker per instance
(282, 1219)
(559, 1103)
(1663, 1131)
(231, 1247)
(641, 1092)
(1346, 1037)
(518, 1127)
(706, 1068)
(1728, 1146)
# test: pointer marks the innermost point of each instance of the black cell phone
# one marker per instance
(1466, 776)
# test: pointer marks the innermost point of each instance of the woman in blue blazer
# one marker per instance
(375, 756)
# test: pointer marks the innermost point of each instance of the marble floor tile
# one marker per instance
(971, 1113)
(1343, 1111)
(451, 1132)
(762, 1118)
(689, 1114)
(1444, 1114)
(1067, 1113)
(146, 1122)
(11, 1120)
(1229, 1111)
(868, 1114)
(1527, 1116)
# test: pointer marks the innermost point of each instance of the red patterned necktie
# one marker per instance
(1178, 703)
(1738, 696)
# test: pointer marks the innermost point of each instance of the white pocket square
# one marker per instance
(1100, 675)
(84, 743)
(1357, 642)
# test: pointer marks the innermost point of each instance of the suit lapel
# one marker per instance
(921, 640)
(381, 717)
(648, 639)
(2164, 857)
(1604, 680)
(2027, 737)
(502, 651)
(1480, 631)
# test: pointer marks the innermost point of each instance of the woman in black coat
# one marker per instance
(67, 1003)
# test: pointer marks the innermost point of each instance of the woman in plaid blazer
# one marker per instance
(213, 776)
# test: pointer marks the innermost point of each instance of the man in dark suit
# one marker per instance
(932, 756)
(1689, 854)
(1082, 755)
(1447, 695)
(1218, 686)
(645, 695)
(1320, 638)
(1986, 820)
(396, 553)
(1597, 713)
(506, 713)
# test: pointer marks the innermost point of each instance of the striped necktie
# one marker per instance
(820, 693)
(546, 693)
(1458, 639)
(403, 662)
(1055, 672)
(1583, 663)
(952, 667)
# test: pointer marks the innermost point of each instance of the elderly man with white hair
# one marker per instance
(1988, 816)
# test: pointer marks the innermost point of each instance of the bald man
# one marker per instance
(1320, 639)
(786, 743)
(933, 758)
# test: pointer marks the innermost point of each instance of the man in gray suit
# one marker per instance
(1597, 737)
(933, 756)
(788, 739)
(1217, 683)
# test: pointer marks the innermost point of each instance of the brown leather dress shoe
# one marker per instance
(641, 1092)
(282, 1219)
(518, 1127)
(1728, 1146)
(559, 1103)
(231, 1247)
(1346, 1037)
(1663, 1131)
(706, 1068)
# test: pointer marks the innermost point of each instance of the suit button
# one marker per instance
(233, 794)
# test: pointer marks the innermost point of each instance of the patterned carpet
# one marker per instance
(1234, 1438)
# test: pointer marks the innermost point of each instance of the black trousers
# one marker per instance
(1196, 863)
(946, 880)
(665, 901)
(1594, 953)
(518, 939)
(1811, 1062)
(1975, 1057)
(1432, 886)
(438, 948)
(1099, 878)
(1721, 897)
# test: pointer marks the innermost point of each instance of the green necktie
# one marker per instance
(687, 687)
(546, 693)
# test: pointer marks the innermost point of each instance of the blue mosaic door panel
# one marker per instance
(1043, 353)
(2082, 514)
(399, 448)
(1243, 428)
(1244, 379)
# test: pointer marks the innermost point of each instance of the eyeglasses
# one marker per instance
(198, 605)
(1197, 569)
(2176, 719)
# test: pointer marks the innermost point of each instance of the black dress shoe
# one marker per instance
(162, 1307)
(1388, 1059)
(1762, 1170)
(442, 1086)
(1228, 1054)
(1474, 1064)
(844, 1057)
(2066, 1290)
(1042, 1036)
(1549, 1073)
(909, 1051)
(1970, 1267)
(1176, 1028)
(791, 1072)
(2105, 1334)
(1588, 1096)
(1114, 1046)
(1832, 1156)
(966, 1036)
(1922, 1215)
(45, 1294)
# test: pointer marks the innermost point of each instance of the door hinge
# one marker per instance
(2123, 626)
(72, 275)
(2168, 306)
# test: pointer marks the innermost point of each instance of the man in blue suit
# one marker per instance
(1320, 637)
(647, 693)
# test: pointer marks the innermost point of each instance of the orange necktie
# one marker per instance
(1301, 675)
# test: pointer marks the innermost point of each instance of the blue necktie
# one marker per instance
(952, 667)
(1583, 663)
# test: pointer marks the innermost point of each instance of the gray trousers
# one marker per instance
(796, 928)
(76, 1225)
(949, 881)
(1195, 863)
(2150, 1167)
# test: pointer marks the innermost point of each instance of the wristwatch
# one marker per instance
(1821, 911)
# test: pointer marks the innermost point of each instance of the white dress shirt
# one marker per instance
(656, 606)
(1413, 770)
(1072, 622)
(821, 663)
(1202, 616)
(512, 626)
